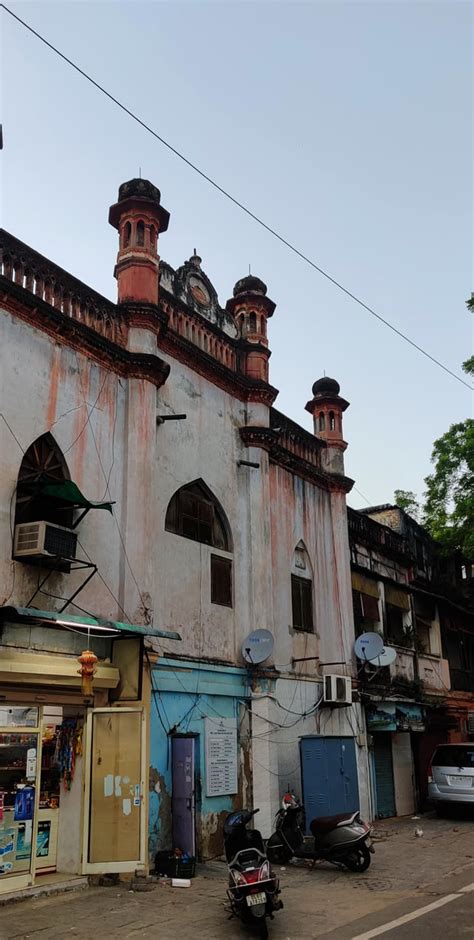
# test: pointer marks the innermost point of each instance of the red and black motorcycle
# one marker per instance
(253, 887)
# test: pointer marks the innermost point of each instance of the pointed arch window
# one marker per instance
(302, 590)
(140, 233)
(195, 513)
(42, 464)
(252, 322)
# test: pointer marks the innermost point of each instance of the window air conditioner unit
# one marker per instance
(470, 722)
(44, 540)
(337, 690)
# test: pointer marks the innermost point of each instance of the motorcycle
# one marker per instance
(343, 839)
(253, 888)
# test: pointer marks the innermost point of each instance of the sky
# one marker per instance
(345, 126)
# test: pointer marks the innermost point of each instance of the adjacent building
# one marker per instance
(419, 603)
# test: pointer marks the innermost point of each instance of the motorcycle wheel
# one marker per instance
(278, 854)
(358, 860)
(263, 931)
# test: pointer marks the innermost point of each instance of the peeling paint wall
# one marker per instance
(49, 387)
(183, 695)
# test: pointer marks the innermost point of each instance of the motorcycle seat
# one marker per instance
(325, 824)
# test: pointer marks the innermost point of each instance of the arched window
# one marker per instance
(195, 513)
(140, 233)
(322, 421)
(127, 234)
(43, 464)
(302, 590)
(252, 322)
(332, 421)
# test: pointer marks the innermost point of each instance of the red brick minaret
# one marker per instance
(251, 308)
(139, 218)
(327, 408)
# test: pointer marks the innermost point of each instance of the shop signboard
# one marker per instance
(381, 716)
(394, 716)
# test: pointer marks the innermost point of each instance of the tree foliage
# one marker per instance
(406, 500)
(449, 504)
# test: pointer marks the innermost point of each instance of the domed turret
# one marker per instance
(327, 408)
(251, 309)
(139, 217)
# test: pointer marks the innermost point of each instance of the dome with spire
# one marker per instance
(250, 284)
(326, 387)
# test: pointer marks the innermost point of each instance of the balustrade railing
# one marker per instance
(50, 283)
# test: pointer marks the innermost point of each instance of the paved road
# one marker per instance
(406, 875)
(447, 915)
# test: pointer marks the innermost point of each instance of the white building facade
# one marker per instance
(227, 518)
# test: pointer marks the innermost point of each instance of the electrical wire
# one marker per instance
(89, 413)
(287, 773)
(12, 432)
(284, 241)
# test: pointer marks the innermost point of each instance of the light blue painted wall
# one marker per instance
(183, 696)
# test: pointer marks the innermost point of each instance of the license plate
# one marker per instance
(253, 899)
(460, 781)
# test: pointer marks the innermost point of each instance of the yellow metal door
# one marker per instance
(114, 831)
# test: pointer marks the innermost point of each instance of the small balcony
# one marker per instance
(404, 666)
(462, 680)
(434, 674)
(376, 537)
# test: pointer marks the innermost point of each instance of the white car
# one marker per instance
(451, 775)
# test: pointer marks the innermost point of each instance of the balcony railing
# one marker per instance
(366, 530)
(434, 673)
(51, 284)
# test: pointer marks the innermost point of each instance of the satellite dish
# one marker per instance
(368, 646)
(386, 658)
(257, 647)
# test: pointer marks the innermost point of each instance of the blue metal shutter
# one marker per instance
(329, 775)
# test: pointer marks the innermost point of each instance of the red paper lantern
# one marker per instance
(88, 661)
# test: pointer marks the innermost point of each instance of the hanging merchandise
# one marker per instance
(88, 661)
(68, 748)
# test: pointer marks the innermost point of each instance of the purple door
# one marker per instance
(182, 802)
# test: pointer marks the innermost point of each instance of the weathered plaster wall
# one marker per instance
(276, 730)
(184, 694)
(49, 387)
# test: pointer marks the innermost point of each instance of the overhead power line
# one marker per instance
(234, 200)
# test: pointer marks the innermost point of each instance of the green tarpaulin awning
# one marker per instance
(95, 624)
(68, 492)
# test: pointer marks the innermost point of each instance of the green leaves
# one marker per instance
(449, 504)
(406, 500)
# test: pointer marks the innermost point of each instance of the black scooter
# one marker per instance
(342, 840)
(253, 888)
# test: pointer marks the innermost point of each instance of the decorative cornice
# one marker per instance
(269, 439)
(63, 329)
(144, 316)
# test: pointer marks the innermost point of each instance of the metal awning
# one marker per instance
(96, 625)
(69, 494)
